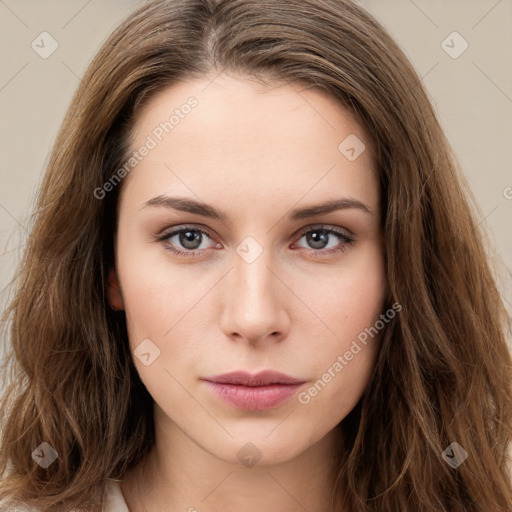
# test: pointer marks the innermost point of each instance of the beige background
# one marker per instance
(472, 95)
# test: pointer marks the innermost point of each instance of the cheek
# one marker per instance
(343, 369)
(350, 298)
(349, 384)
(157, 295)
(165, 304)
(151, 305)
(351, 306)
(158, 311)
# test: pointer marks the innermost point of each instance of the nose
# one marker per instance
(255, 302)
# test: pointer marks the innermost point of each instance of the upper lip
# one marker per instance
(263, 378)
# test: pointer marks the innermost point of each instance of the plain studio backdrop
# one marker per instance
(462, 50)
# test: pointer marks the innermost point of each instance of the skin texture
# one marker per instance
(255, 153)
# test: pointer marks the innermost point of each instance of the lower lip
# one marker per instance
(254, 398)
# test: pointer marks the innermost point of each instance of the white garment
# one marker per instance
(114, 500)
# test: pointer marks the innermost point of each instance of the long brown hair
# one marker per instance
(443, 374)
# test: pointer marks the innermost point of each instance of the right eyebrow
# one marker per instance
(185, 204)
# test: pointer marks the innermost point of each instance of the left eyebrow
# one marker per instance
(343, 203)
(205, 210)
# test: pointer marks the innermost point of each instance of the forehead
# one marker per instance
(251, 140)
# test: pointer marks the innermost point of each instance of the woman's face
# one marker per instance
(260, 283)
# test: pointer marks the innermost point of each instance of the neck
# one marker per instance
(180, 475)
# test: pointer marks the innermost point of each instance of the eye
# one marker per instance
(188, 238)
(319, 238)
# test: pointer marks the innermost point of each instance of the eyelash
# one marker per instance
(342, 236)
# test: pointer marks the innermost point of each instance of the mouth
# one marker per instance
(265, 390)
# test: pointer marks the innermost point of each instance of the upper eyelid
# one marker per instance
(178, 229)
(326, 227)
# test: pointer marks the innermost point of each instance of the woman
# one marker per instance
(255, 281)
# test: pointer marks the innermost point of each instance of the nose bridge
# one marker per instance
(254, 278)
(254, 305)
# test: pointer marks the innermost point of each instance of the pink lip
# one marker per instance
(265, 390)
(262, 378)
